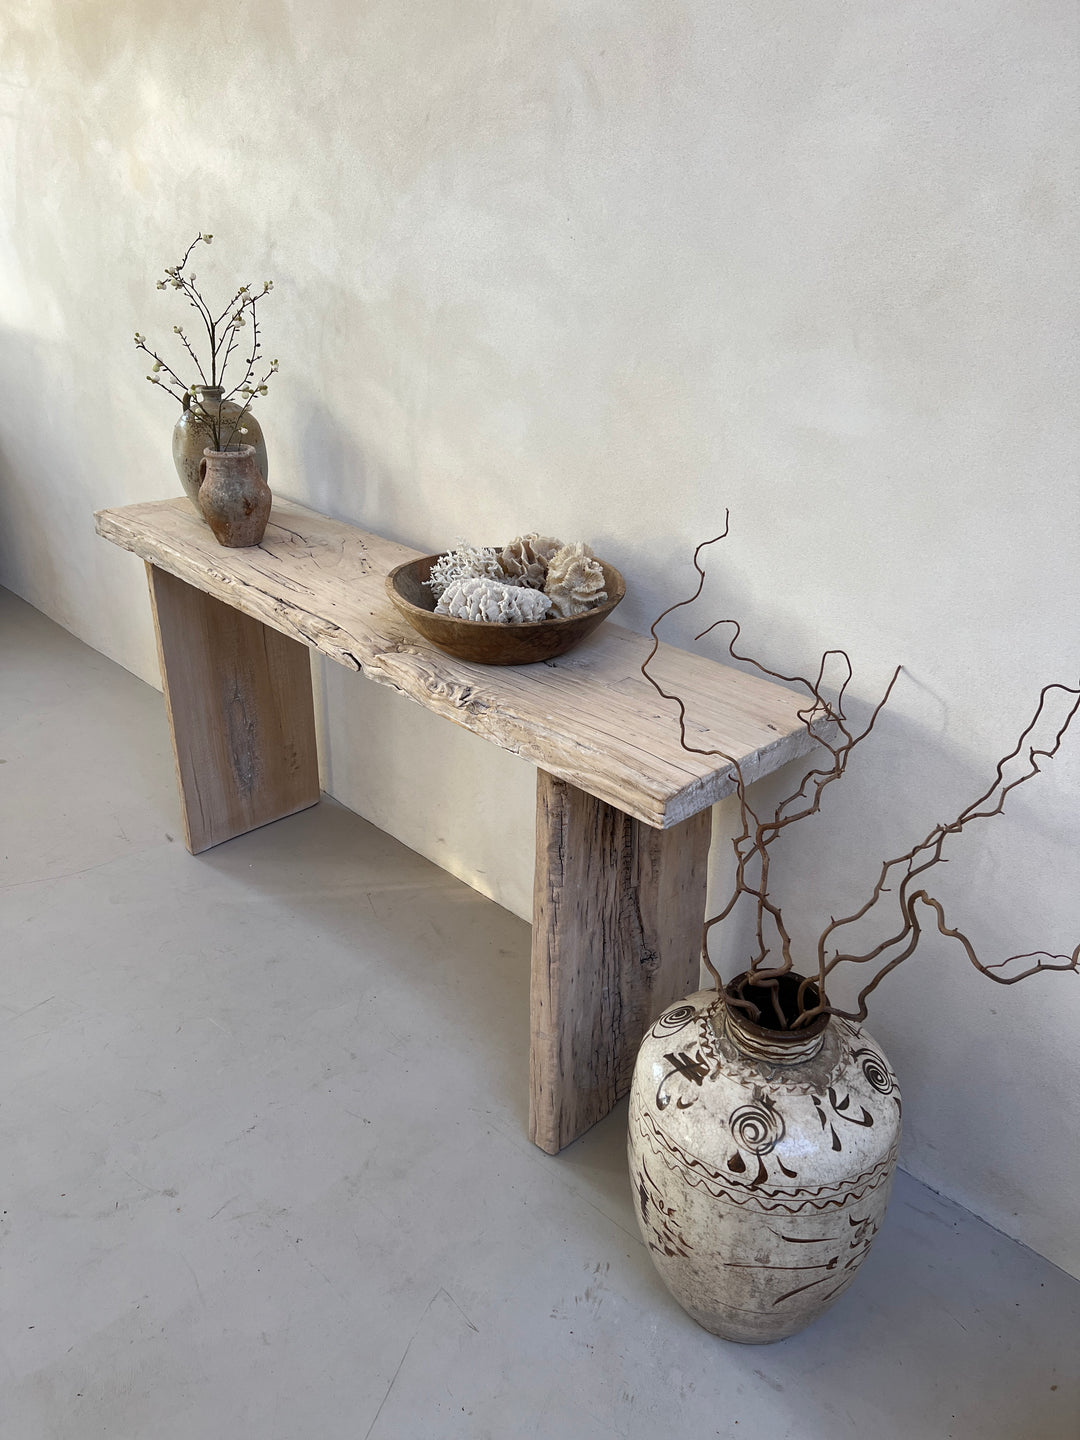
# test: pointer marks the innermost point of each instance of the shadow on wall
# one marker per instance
(336, 476)
(332, 469)
(448, 794)
(32, 442)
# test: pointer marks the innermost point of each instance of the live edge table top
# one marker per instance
(588, 717)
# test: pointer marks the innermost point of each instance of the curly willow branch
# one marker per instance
(825, 718)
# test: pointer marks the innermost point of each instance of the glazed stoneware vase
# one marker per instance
(233, 497)
(761, 1163)
(192, 435)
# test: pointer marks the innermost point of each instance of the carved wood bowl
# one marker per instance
(487, 642)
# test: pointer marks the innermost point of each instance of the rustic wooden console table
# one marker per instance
(623, 821)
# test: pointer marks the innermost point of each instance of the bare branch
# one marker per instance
(928, 852)
(222, 342)
(824, 718)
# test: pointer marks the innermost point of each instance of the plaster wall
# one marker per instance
(606, 270)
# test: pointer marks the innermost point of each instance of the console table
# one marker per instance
(623, 816)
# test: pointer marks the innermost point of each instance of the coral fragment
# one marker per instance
(525, 559)
(575, 580)
(479, 597)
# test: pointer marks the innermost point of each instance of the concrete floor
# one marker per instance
(264, 1164)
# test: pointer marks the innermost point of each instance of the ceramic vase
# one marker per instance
(233, 497)
(761, 1162)
(192, 435)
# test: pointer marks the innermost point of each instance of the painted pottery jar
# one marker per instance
(761, 1162)
(234, 497)
(192, 435)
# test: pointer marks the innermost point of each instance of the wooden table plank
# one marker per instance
(617, 915)
(241, 715)
(588, 717)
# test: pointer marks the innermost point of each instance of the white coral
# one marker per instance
(525, 559)
(575, 580)
(478, 597)
(464, 562)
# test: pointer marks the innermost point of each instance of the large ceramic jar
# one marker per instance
(192, 435)
(761, 1162)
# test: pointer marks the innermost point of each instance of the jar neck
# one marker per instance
(214, 393)
(773, 1047)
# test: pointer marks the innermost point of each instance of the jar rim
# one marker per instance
(240, 449)
(791, 981)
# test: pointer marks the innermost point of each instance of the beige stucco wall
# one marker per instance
(606, 269)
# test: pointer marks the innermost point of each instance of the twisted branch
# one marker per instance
(827, 725)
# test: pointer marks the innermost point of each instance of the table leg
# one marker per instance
(240, 707)
(618, 908)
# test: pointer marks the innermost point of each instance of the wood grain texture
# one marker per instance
(617, 914)
(587, 717)
(240, 710)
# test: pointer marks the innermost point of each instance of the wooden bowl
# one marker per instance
(487, 642)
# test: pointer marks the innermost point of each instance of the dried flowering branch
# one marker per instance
(828, 726)
(223, 336)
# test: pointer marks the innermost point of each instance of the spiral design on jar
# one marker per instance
(674, 1020)
(757, 1126)
(877, 1073)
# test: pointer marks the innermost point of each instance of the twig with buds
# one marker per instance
(222, 335)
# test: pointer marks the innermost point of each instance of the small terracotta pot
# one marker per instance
(234, 497)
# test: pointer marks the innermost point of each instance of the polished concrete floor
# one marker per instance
(264, 1172)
